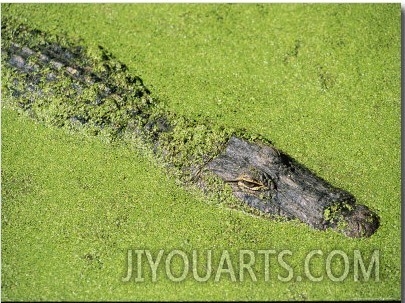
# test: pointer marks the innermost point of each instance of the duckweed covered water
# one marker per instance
(321, 81)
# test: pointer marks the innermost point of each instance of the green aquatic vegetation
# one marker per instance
(71, 203)
(333, 213)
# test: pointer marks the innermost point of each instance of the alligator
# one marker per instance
(58, 81)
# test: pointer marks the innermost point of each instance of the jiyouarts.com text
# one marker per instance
(143, 265)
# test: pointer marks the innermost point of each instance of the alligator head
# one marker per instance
(274, 183)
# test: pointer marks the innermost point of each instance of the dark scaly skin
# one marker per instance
(58, 82)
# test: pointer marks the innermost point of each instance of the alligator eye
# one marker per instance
(251, 184)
